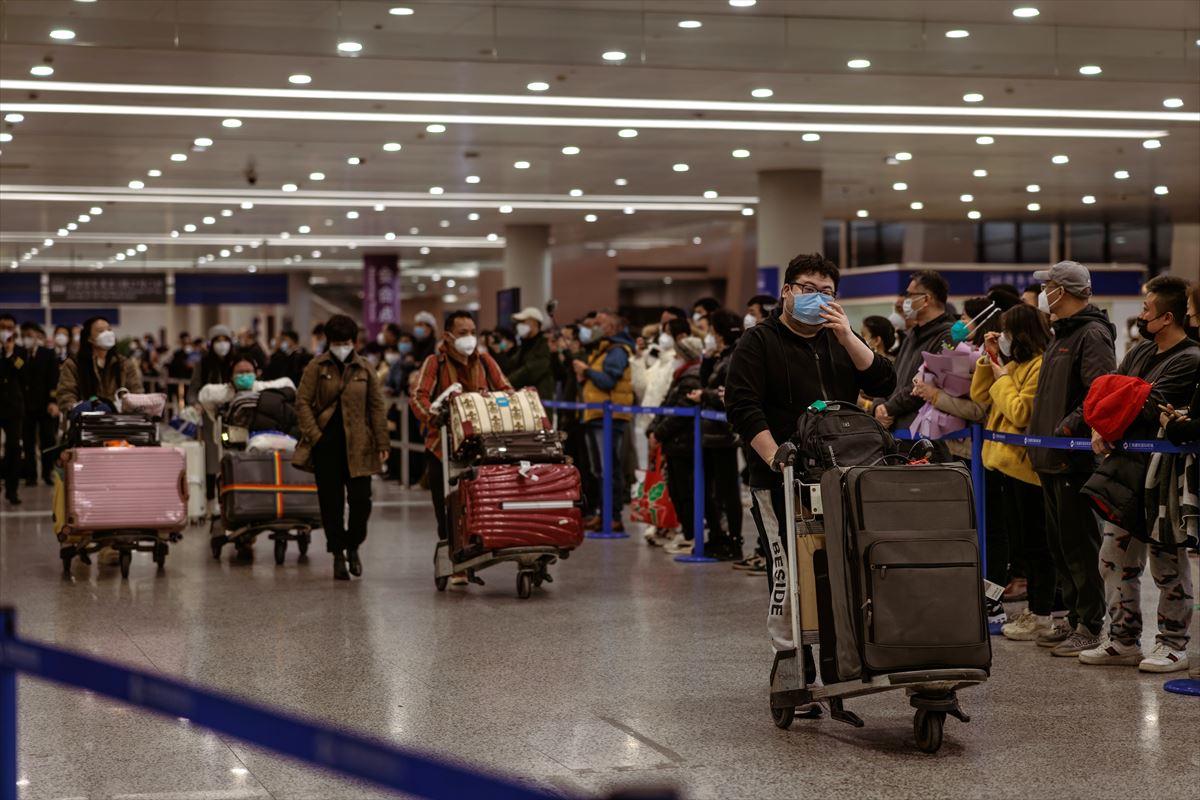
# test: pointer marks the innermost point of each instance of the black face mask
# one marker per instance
(1143, 326)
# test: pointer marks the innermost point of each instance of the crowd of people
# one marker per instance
(1069, 531)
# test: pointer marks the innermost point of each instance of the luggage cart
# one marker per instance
(933, 693)
(125, 542)
(533, 563)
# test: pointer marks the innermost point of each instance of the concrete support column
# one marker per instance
(1185, 251)
(527, 263)
(299, 309)
(789, 216)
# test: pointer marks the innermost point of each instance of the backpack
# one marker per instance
(836, 434)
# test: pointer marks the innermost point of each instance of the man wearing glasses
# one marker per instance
(806, 351)
(925, 303)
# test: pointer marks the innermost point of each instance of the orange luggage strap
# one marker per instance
(279, 488)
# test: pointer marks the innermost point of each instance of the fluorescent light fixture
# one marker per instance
(627, 133)
(1152, 144)
(858, 63)
(401, 11)
(392, 147)
(435, 128)
(178, 156)
(690, 24)
(973, 214)
(1173, 102)
(14, 118)
(202, 141)
(966, 198)
(1161, 190)
(862, 213)
(902, 156)
(680, 167)
(42, 70)
(1090, 69)
(741, 152)
(972, 97)
(62, 34)
(742, 3)
(520, 165)
(710, 194)
(613, 55)
(1088, 199)
(349, 47)
(1121, 174)
(1025, 12)
(472, 179)
(1033, 188)
(1033, 207)
(811, 137)
(570, 150)
(762, 93)
(232, 122)
(1060, 159)
(136, 185)
(537, 86)
(984, 140)
(300, 79)
(575, 193)
(957, 33)
(316, 176)
(916, 205)
(900, 186)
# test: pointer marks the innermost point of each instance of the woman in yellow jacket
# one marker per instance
(1005, 381)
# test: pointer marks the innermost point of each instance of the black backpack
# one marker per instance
(836, 434)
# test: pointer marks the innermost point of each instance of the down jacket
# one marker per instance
(1011, 400)
(364, 416)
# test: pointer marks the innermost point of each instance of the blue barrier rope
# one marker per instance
(320, 745)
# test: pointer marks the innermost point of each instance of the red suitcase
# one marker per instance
(124, 488)
(514, 505)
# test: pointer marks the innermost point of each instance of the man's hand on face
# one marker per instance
(837, 322)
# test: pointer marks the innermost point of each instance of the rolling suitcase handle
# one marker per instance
(183, 486)
(793, 572)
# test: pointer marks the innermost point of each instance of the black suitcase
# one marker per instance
(904, 579)
(536, 447)
(94, 429)
(258, 487)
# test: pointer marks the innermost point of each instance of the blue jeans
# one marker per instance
(595, 447)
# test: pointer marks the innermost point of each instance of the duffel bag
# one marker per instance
(152, 405)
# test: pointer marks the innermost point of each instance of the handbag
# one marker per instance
(650, 503)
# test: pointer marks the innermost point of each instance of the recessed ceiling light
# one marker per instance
(811, 137)
(916, 205)
(247, 205)
(379, 207)
(520, 165)
(710, 194)
(14, 118)
(304, 229)
(95, 211)
(589, 217)
(576, 193)
(1152, 144)
(300, 78)
(225, 212)
(5, 136)
(349, 47)
(957, 33)
(1033, 188)
(973, 214)
(178, 156)
(900, 186)
(749, 3)
(351, 215)
(762, 93)
(1088, 199)
(627, 133)
(189, 228)
(1060, 159)
(435, 128)
(84, 218)
(1173, 102)
(1121, 174)
(354, 161)
(741, 152)
(980, 173)
(154, 173)
(1034, 207)
(1161, 190)
(506, 209)
(613, 55)
(391, 147)
(972, 97)
(136, 185)
(289, 187)
(225, 253)
(1090, 69)
(690, 24)
(491, 237)
(984, 140)
(858, 63)
(473, 216)
(902, 156)
(120, 256)
(72, 226)
(209, 220)
(231, 123)
(202, 141)
(537, 86)
(680, 167)
(445, 223)
(621, 182)
(389, 236)
(747, 212)
(472, 179)
(436, 190)
(629, 210)
(400, 11)
(174, 234)
(42, 70)
(316, 176)
(570, 150)
(1025, 12)
(966, 198)
(862, 213)
(62, 34)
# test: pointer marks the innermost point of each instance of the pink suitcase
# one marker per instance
(125, 488)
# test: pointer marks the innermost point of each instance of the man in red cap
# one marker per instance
(1168, 360)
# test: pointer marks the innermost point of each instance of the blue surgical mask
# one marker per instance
(806, 308)
(244, 381)
(959, 332)
(405, 348)
(585, 335)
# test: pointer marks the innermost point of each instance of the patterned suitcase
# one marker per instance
(259, 487)
(477, 413)
(516, 505)
(124, 488)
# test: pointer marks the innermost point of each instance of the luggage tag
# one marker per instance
(524, 468)
(992, 591)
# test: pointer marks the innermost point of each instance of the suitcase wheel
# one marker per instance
(280, 551)
(125, 558)
(441, 582)
(782, 717)
(524, 584)
(302, 545)
(216, 543)
(927, 729)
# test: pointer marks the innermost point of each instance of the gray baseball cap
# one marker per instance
(1070, 275)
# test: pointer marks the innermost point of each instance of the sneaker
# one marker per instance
(1081, 639)
(995, 612)
(1017, 591)
(1163, 659)
(663, 538)
(1059, 632)
(650, 534)
(1112, 653)
(1027, 627)
(679, 545)
(758, 567)
(746, 563)
(458, 579)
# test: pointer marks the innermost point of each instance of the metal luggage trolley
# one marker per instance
(932, 692)
(533, 563)
(125, 542)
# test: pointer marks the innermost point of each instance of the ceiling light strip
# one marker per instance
(247, 240)
(658, 104)
(574, 122)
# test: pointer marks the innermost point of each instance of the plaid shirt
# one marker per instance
(441, 371)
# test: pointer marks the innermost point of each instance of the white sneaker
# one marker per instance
(1026, 627)
(679, 545)
(650, 534)
(459, 579)
(1111, 653)
(1163, 659)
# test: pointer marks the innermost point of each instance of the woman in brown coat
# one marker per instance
(344, 440)
(96, 370)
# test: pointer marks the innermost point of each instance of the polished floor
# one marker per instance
(628, 670)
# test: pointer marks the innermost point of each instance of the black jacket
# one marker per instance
(1118, 486)
(529, 365)
(287, 365)
(1081, 351)
(716, 434)
(13, 367)
(775, 374)
(1184, 432)
(212, 369)
(253, 353)
(901, 403)
(39, 380)
(675, 434)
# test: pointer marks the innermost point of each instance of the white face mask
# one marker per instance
(1005, 345)
(106, 340)
(342, 351)
(5, 335)
(221, 348)
(696, 317)
(523, 330)
(665, 342)
(29, 343)
(285, 347)
(391, 358)
(61, 339)
(896, 320)
(710, 343)
(749, 321)
(1044, 301)
(380, 339)
(910, 309)
(466, 344)
(373, 359)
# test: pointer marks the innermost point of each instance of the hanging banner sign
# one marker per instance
(381, 292)
(108, 287)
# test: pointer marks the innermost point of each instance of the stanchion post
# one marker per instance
(697, 556)
(980, 493)
(607, 468)
(8, 712)
(405, 455)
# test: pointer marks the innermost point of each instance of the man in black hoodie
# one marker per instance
(1081, 351)
(806, 352)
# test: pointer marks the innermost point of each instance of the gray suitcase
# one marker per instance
(905, 583)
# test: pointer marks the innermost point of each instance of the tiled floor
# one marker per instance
(629, 669)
